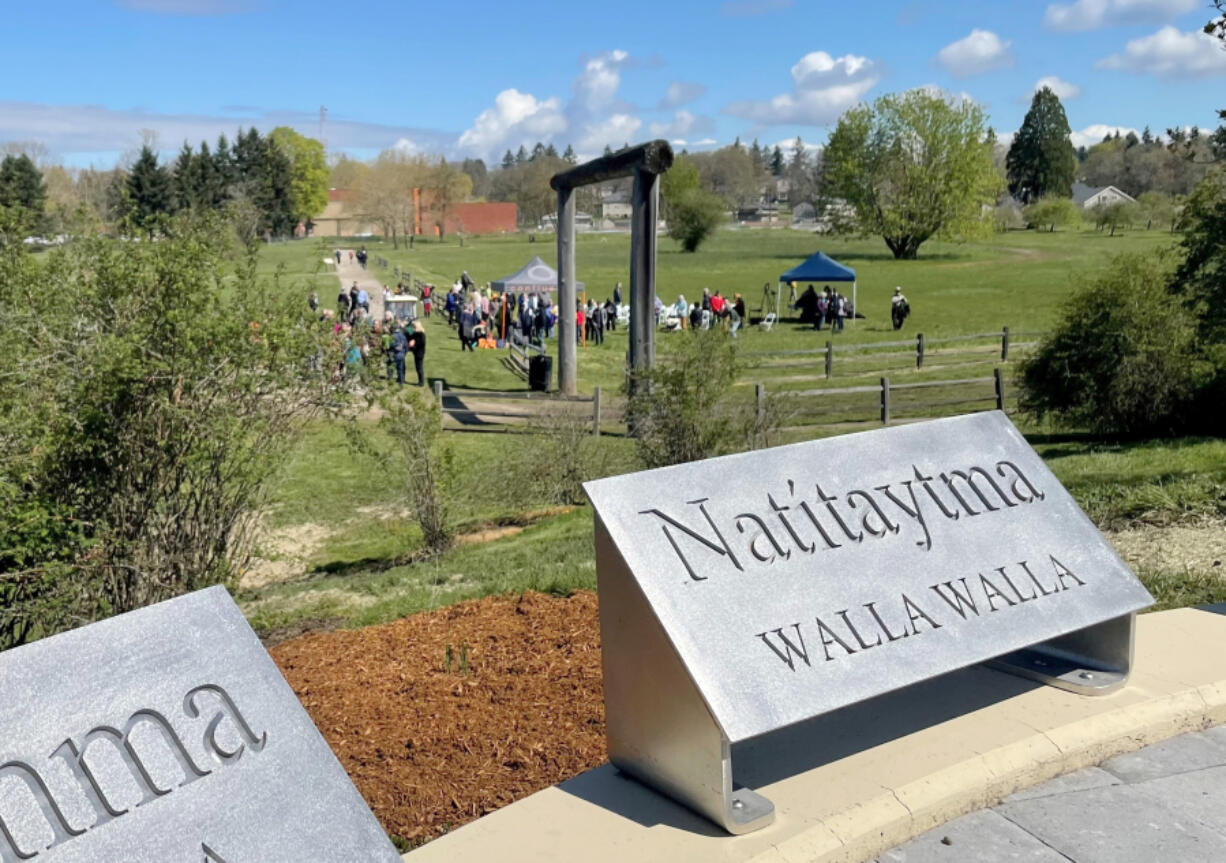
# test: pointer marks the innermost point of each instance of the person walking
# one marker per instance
(400, 347)
(598, 323)
(617, 294)
(338, 258)
(899, 309)
(342, 304)
(417, 344)
(840, 311)
(468, 326)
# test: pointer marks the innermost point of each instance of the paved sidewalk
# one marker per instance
(1166, 802)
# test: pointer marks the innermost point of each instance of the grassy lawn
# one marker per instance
(1015, 280)
(358, 574)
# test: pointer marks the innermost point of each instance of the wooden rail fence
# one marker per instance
(986, 392)
(921, 348)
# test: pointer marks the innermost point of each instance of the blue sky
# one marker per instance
(84, 77)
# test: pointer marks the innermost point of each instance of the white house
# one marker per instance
(1089, 197)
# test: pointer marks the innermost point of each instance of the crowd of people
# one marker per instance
(366, 341)
(485, 318)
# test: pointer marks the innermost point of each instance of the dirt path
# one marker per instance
(367, 280)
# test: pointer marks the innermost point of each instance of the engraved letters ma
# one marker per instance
(208, 702)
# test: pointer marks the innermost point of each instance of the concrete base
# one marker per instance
(848, 786)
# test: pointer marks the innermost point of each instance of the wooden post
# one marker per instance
(1000, 388)
(568, 372)
(885, 401)
(919, 351)
(438, 396)
(1004, 344)
(760, 394)
(643, 219)
(829, 358)
(596, 412)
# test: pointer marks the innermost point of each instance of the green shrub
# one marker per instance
(153, 389)
(1124, 357)
(686, 408)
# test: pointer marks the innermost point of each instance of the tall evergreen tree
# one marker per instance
(208, 182)
(183, 192)
(223, 167)
(22, 188)
(569, 155)
(1042, 160)
(521, 155)
(508, 160)
(757, 154)
(551, 151)
(538, 151)
(777, 162)
(149, 191)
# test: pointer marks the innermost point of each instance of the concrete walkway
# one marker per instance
(1166, 802)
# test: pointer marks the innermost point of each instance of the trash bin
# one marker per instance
(540, 373)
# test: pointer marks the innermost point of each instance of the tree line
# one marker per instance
(271, 182)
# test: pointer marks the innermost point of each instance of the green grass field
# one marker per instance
(356, 573)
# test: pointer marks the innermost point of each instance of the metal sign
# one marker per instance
(167, 735)
(742, 594)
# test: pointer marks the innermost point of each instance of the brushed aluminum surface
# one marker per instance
(800, 579)
(165, 735)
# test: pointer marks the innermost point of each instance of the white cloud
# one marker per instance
(1170, 53)
(1091, 135)
(683, 123)
(597, 84)
(1093, 14)
(1062, 89)
(823, 88)
(981, 51)
(591, 119)
(614, 131)
(706, 142)
(189, 7)
(407, 146)
(516, 118)
(681, 93)
(85, 134)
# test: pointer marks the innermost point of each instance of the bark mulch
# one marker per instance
(431, 748)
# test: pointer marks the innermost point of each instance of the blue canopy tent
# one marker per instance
(819, 267)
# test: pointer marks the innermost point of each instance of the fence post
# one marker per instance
(829, 358)
(438, 395)
(919, 351)
(1000, 388)
(885, 401)
(760, 396)
(596, 412)
(1004, 344)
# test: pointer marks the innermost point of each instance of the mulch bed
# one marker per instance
(520, 708)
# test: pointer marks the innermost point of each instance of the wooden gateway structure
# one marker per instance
(645, 163)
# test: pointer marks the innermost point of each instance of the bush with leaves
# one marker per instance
(410, 417)
(1051, 212)
(152, 390)
(686, 408)
(1124, 358)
